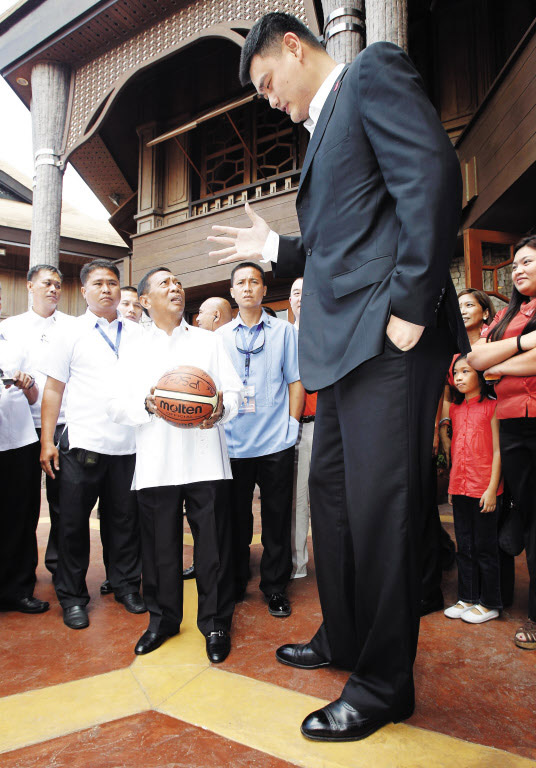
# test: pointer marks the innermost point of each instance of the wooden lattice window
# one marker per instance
(244, 146)
(488, 263)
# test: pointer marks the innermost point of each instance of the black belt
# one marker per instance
(307, 419)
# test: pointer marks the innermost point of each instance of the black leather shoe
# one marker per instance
(148, 642)
(76, 617)
(218, 646)
(339, 721)
(106, 588)
(133, 602)
(432, 604)
(26, 605)
(278, 605)
(189, 573)
(300, 655)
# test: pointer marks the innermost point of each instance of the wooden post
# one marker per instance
(344, 29)
(50, 95)
(387, 20)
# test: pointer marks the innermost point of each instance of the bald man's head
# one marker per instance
(213, 313)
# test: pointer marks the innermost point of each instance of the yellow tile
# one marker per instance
(161, 682)
(267, 718)
(446, 518)
(35, 716)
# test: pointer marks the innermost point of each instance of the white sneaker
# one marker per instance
(479, 618)
(457, 610)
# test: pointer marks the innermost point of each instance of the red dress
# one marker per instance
(472, 447)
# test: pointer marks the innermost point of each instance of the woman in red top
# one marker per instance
(508, 350)
(475, 483)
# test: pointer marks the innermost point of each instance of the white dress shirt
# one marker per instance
(166, 454)
(37, 334)
(271, 246)
(82, 359)
(16, 423)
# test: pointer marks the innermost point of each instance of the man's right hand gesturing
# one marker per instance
(244, 243)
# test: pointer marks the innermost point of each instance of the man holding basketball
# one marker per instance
(378, 206)
(176, 465)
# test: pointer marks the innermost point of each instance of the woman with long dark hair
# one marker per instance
(508, 350)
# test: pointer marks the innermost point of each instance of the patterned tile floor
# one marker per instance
(83, 699)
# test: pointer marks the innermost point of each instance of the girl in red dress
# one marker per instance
(475, 484)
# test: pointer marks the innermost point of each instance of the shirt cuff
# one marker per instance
(271, 248)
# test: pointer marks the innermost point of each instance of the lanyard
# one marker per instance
(113, 347)
(248, 350)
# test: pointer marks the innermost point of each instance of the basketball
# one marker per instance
(186, 396)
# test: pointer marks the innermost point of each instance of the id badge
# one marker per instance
(248, 400)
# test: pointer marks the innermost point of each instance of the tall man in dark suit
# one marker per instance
(378, 206)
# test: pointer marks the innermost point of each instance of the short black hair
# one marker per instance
(45, 267)
(268, 31)
(91, 266)
(143, 285)
(486, 390)
(129, 288)
(253, 264)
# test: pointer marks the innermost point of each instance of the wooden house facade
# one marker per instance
(148, 108)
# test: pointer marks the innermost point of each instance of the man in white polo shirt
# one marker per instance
(19, 468)
(96, 457)
(36, 329)
(175, 465)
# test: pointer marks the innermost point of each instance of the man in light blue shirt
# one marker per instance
(261, 439)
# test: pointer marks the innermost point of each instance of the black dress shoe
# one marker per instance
(300, 655)
(432, 604)
(339, 721)
(133, 602)
(278, 605)
(218, 646)
(148, 642)
(26, 605)
(189, 573)
(76, 617)
(106, 588)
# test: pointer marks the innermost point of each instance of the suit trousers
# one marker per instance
(161, 520)
(518, 456)
(80, 486)
(300, 511)
(371, 487)
(20, 493)
(274, 475)
(52, 486)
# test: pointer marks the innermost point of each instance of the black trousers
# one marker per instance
(161, 522)
(518, 456)
(274, 474)
(80, 486)
(20, 489)
(479, 579)
(53, 499)
(432, 570)
(370, 488)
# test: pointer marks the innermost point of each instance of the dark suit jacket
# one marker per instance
(379, 205)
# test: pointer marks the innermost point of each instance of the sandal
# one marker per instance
(526, 636)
